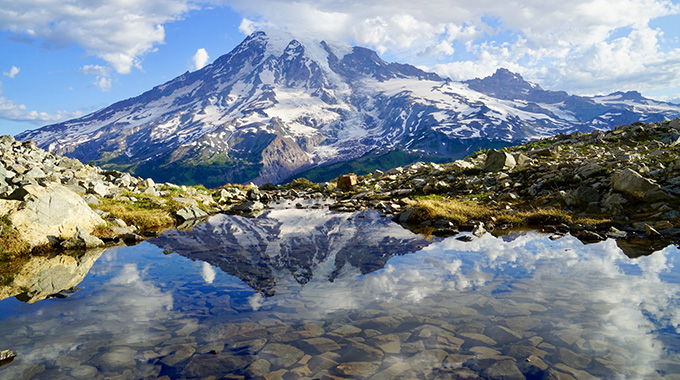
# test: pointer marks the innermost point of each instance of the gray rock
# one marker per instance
(185, 201)
(503, 370)
(35, 173)
(479, 230)
(281, 355)
(522, 159)
(319, 345)
(614, 202)
(7, 354)
(91, 200)
(248, 207)
(258, 368)
(462, 165)
(497, 161)
(587, 194)
(361, 370)
(632, 183)
(615, 233)
(98, 188)
(117, 358)
(190, 213)
(85, 372)
(82, 240)
(53, 211)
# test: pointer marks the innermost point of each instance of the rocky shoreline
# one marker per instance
(607, 184)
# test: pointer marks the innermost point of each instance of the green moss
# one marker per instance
(11, 243)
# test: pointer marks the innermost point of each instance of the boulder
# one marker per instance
(347, 182)
(630, 182)
(462, 165)
(82, 240)
(497, 161)
(190, 213)
(248, 207)
(7, 354)
(52, 212)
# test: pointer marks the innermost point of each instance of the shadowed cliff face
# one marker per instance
(286, 245)
(42, 277)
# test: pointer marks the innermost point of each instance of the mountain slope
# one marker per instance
(277, 105)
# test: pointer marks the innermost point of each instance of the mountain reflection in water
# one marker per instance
(305, 293)
(286, 243)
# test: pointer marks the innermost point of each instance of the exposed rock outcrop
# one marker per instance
(50, 213)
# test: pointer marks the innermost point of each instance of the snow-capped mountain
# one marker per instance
(286, 248)
(277, 105)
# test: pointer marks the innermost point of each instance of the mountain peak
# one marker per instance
(279, 104)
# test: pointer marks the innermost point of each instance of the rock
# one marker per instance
(346, 182)
(358, 369)
(359, 352)
(572, 359)
(651, 231)
(258, 368)
(7, 354)
(281, 355)
(319, 345)
(184, 201)
(522, 160)
(462, 165)
(503, 370)
(82, 240)
(215, 366)
(54, 211)
(248, 207)
(615, 233)
(632, 183)
(99, 189)
(614, 203)
(85, 372)
(146, 184)
(35, 173)
(589, 236)
(406, 216)
(190, 213)
(117, 358)
(479, 230)
(444, 232)
(92, 200)
(177, 353)
(497, 161)
(587, 194)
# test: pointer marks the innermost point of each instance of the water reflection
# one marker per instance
(289, 244)
(307, 293)
(41, 277)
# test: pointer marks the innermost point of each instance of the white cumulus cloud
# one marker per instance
(117, 31)
(200, 59)
(101, 74)
(12, 72)
(579, 45)
(11, 110)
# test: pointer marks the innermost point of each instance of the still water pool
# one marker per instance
(312, 294)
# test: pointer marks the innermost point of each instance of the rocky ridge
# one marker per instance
(619, 183)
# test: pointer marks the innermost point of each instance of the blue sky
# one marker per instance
(61, 59)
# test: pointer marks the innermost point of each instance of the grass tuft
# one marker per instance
(11, 243)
